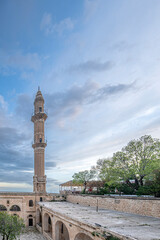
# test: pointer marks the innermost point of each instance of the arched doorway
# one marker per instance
(47, 224)
(30, 221)
(82, 236)
(61, 231)
(39, 217)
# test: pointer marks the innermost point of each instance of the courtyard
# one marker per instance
(30, 234)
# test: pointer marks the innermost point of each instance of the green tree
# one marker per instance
(105, 170)
(10, 226)
(137, 160)
(83, 177)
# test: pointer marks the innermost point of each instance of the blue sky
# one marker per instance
(97, 63)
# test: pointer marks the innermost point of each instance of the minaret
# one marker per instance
(39, 117)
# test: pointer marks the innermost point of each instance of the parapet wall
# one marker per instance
(138, 205)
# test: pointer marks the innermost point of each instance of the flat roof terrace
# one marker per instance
(125, 224)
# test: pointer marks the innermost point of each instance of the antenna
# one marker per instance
(38, 88)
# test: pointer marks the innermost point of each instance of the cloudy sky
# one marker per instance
(97, 63)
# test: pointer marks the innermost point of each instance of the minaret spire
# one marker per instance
(39, 117)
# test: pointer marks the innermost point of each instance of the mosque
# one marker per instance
(77, 217)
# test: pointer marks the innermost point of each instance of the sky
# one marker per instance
(97, 63)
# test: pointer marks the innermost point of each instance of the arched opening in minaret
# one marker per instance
(48, 224)
(82, 236)
(61, 231)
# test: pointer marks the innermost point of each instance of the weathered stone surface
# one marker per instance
(8, 199)
(31, 234)
(126, 225)
(142, 206)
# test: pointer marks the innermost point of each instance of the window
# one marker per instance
(40, 109)
(40, 140)
(41, 199)
(7, 202)
(15, 208)
(30, 203)
(2, 208)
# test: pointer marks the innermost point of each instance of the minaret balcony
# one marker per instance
(39, 115)
(39, 144)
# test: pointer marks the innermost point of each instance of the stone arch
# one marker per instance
(30, 220)
(61, 231)
(82, 236)
(48, 224)
(2, 208)
(15, 208)
(39, 217)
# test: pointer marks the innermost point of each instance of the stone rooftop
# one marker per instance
(126, 224)
(18, 193)
(26, 194)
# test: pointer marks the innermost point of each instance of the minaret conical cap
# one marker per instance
(39, 96)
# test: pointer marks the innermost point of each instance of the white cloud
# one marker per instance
(49, 27)
(20, 60)
(3, 104)
(3, 112)
(46, 21)
(90, 8)
(14, 185)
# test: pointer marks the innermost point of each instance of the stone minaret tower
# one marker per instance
(39, 117)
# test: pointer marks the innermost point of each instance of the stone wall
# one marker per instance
(8, 199)
(138, 205)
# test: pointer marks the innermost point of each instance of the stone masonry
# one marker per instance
(39, 117)
(139, 205)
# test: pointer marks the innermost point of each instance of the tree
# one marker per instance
(10, 226)
(83, 177)
(107, 174)
(105, 170)
(137, 160)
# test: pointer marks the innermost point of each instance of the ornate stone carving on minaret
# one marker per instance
(39, 117)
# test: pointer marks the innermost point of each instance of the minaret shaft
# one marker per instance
(39, 117)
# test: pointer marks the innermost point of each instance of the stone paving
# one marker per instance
(31, 234)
